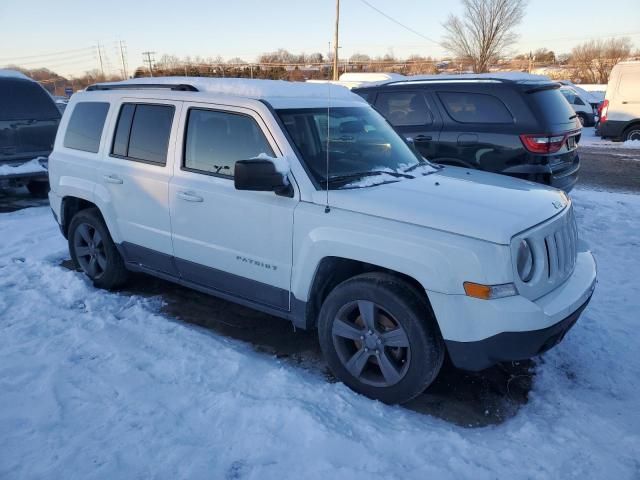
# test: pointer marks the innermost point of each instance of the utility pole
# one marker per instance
(149, 61)
(124, 63)
(100, 60)
(335, 42)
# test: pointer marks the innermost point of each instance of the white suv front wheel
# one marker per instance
(378, 337)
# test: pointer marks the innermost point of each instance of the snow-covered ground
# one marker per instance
(102, 385)
(590, 139)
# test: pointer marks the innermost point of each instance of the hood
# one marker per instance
(476, 204)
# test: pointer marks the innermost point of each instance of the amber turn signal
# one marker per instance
(488, 292)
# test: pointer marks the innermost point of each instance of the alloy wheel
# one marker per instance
(371, 343)
(90, 250)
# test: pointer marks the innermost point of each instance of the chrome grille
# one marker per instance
(561, 249)
(555, 249)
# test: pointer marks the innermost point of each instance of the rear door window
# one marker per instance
(85, 126)
(216, 140)
(25, 100)
(403, 109)
(142, 132)
(464, 107)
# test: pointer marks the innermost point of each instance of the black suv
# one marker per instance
(520, 126)
(29, 121)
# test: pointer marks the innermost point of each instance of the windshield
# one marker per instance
(359, 141)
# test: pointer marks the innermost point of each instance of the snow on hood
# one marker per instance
(466, 202)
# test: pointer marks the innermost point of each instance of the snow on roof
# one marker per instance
(251, 88)
(13, 74)
(370, 77)
(387, 78)
(512, 76)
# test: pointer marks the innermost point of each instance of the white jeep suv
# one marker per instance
(301, 201)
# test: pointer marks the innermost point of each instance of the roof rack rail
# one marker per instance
(181, 87)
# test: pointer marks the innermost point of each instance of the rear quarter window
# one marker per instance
(25, 100)
(464, 107)
(552, 106)
(84, 129)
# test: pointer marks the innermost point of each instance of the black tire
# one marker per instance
(93, 251)
(398, 303)
(632, 133)
(583, 119)
(38, 189)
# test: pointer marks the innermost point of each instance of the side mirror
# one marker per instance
(260, 175)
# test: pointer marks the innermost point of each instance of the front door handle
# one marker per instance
(190, 197)
(422, 138)
(113, 179)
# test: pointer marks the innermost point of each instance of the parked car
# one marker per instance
(584, 110)
(593, 97)
(29, 120)
(274, 196)
(518, 125)
(620, 115)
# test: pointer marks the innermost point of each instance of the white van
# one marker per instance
(620, 117)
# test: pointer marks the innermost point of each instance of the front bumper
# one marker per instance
(479, 333)
(510, 346)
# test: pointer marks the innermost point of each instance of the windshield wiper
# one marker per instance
(422, 164)
(370, 173)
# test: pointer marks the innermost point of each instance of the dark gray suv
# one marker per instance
(520, 126)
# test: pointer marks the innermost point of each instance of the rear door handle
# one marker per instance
(422, 138)
(190, 197)
(113, 179)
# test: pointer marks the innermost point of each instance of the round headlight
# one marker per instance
(524, 261)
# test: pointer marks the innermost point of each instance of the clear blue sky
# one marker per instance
(33, 33)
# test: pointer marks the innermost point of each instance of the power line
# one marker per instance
(51, 54)
(53, 60)
(388, 17)
(590, 37)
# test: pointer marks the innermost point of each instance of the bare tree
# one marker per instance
(484, 31)
(359, 58)
(593, 60)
